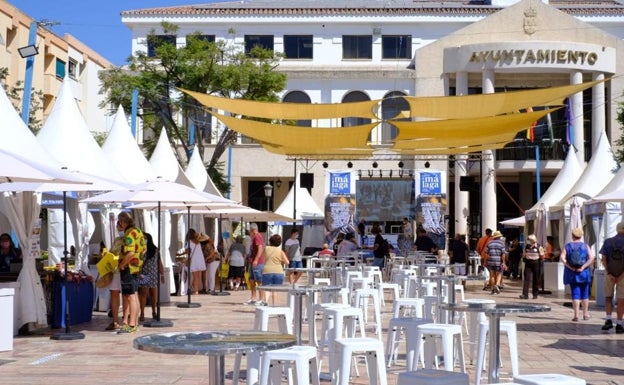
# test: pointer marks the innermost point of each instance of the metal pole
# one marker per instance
(28, 77)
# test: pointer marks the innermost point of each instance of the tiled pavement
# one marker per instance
(548, 343)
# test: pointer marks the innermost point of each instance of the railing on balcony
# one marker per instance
(523, 149)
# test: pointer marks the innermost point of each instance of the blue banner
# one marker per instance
(340, 183)
(430, 183)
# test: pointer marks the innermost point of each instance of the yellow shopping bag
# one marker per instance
(108, 263)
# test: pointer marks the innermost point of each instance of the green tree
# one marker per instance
(619, 153)
(15, 94)
(212, 67)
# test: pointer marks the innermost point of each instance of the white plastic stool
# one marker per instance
(284, 315)
(475, 319)
(451, 336)
(414, 305)
(432, 376)
(394, 289)
(410, 325)
(304, 360)
(339, 322)
(345, 348)
(361, 298)
(548, 379)
(509, 327)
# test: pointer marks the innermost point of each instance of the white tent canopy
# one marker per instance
(197, 174)
(598, 173)
(306, 207)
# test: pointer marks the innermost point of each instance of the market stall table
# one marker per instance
(494, 312)
(215, 345)
(298, 292)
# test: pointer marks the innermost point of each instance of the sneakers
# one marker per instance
(112, 326)
(608, 325)
(250, 302)
(261, 303)
(619, 329)
(522, 296)
(125, 329)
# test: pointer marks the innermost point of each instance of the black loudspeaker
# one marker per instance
(306, 180)
(466, 183)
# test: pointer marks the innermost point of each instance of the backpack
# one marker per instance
(615, 262)
(576, 254)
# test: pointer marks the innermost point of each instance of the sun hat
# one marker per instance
(532, 238)
(202, 238)
(497, 234)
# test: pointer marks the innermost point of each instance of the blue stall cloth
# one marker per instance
(80, 302)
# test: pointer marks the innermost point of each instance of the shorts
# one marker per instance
(256, 273)
(272, 279)
(236, 272)
(116, 282)
(295, 265)
(129, 283)
(459, 269)
(609, 285)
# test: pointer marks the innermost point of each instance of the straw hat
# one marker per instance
(202, 238)
(497, 234)
(532, 238)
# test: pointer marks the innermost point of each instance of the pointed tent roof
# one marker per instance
(66, 135)
(122, 149)
(597, 174)
(164, 162)
(306, 207)
(197, 174)
(23, 141)
(566, 178)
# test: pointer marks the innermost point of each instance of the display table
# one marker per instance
(553, 276)
(215, 345)
(81, 297)
(6, 329)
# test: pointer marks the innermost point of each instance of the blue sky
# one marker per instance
(97, 23)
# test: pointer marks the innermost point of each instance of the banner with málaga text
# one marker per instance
(430, 190)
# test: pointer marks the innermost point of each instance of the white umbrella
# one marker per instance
(15, 169)
(541, 223)
(160, 192)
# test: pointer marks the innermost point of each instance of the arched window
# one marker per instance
(355, 96)
(299, 97)
(391, 106)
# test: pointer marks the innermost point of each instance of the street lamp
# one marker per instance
(268, 191)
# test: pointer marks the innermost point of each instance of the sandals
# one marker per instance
(575, 319)
(112, 326)
(586, 317)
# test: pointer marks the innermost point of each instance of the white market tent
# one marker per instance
(196, 172)
(598, 173)
(21, 210)
(67, 136)
(565, 180)
(308, 212)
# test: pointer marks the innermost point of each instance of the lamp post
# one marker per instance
(268, 191)
(28, 52)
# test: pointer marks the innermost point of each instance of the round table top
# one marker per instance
(490, 308)
(300, 288)
(213, 343)
(306, 269)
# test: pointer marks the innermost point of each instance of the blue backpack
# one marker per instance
(576, 254)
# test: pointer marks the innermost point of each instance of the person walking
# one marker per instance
(273, 270)
(496, 260)
(533, 255)
(256, 263)
(151, 272)
(293, 252)
(130, 262)
(481, 250)
(611, 254)
(577, 257)
(236, 259)
(514, 257)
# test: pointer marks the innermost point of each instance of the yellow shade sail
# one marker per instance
(474, 106)
(464, 128)
(287, 111)
(312, 138)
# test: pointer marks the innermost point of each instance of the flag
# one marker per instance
(569, 122)
(530, 134)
